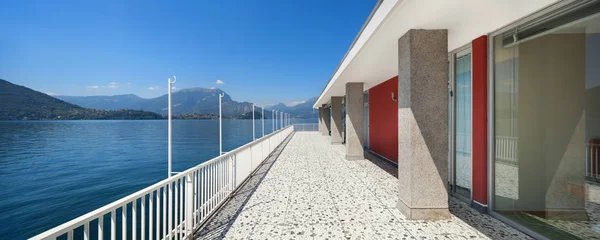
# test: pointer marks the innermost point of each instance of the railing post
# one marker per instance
(189, 206)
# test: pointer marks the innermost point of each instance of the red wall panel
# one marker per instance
(480, 95)
(383, 119)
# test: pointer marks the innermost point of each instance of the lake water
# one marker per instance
(54, 171)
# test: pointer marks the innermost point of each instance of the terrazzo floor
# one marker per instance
(307, 190)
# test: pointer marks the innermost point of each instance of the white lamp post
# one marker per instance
(221, 95)
(253, 125)
(169, 150)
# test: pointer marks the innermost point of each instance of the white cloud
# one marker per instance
(173, 88)
(112, 85)
(128, 83)
(213, 88)
(153, 88)
(294, 103)
(92, 86)
(51, 94)
(219, 81)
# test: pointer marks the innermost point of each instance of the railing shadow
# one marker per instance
(220, 223)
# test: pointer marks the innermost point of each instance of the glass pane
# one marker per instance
(463, 126)
(547, 131)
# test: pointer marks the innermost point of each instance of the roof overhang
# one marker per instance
(373, 56)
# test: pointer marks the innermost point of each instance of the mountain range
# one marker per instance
(22, 103)
(187, 101)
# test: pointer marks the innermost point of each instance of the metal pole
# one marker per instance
(170, 157)
(273, 120)
(253, 125)
(221, 95)
(276, 119)
(262, 114)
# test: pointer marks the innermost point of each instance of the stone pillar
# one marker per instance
(355, 128)
(336, 117)
(320, 119)
(326, 121)
(423, 124)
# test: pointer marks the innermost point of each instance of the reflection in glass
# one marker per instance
(547, 128)
(463, 126)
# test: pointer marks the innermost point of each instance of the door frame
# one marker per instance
(452, 57)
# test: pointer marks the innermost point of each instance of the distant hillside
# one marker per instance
(22, 103)
(192, 102)
(129, 101)
(302, 110)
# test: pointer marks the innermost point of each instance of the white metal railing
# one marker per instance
(592, 156)
(167, 210)
(506, 149)
(305, 127)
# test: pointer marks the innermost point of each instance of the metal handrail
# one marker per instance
(306, 127)
(211, 183)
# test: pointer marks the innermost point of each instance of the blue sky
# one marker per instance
(263, 51)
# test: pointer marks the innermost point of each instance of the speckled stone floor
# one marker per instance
(309, 191)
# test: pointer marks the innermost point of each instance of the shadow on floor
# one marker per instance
(484, 223)
(219, 224)
(383, 164)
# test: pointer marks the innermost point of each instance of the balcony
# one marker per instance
(307, 190)
(290, 184)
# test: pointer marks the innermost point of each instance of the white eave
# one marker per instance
(373, 57)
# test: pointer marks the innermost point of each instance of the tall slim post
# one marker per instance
(262, 114)
(221, 95)
(253, 125)
(273, 120)
(276, 112)
(170, 127)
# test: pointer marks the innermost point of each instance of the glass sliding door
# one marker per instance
(546, 80)
(461, 120)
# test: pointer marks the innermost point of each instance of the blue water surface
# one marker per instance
(54, 171)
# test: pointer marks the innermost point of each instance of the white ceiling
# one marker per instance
(374, 56)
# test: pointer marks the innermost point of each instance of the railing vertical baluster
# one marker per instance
(189, 206)
(203, 185)
(124, 222)
(170, 210)
(133, 220)
(101, 227)
(219, 183)
(210, 188)
(587, 160)
(150, 216)
(176, 210)
(214, 181)
(181, 207)
(113, 224)
(86, 231)
(143, 218)
(592, 165)
(158, 215)
(597, 160)
(164, 211)
(196, 194)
